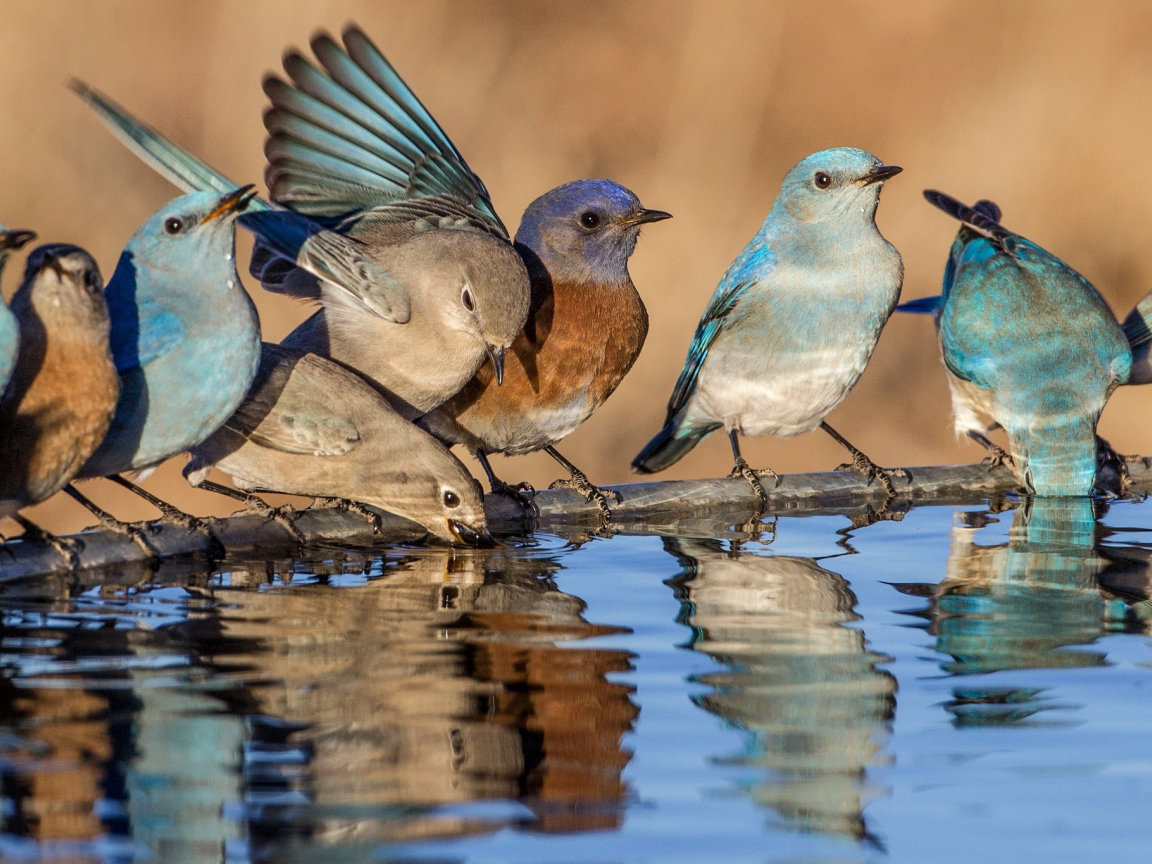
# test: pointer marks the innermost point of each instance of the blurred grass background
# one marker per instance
(699, 107)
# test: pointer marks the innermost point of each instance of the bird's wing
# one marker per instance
(280, 414)
(358, 139)
(325, 254)
(716, 317)
(157, 331)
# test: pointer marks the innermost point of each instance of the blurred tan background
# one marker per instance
(699, 107)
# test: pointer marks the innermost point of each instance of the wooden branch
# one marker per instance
(661, 507)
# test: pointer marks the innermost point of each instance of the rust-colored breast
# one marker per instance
(579, 343)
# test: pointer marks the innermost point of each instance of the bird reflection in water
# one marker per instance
(802, 685)
(262, 709)
(1034, 602)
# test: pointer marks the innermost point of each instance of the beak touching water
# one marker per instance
(879, 174)
(469, 537)
(235, 201)
(496, 355)
(644, 216)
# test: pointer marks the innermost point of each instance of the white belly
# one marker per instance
(782, 405)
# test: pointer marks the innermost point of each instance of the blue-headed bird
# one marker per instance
(794, 320)
(1029, 343)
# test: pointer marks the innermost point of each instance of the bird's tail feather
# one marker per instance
(669, 446)
(172, 162)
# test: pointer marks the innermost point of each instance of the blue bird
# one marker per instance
(585, 329)
(793, 322)
(10, 241)
(185, 338)
(1028, 342)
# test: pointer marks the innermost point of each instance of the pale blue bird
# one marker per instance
(794, 321)
(10, 241)
(185, 338)
(1028, 342)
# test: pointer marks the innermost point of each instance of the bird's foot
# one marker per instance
(521, 493)
(998, 456)
(870, 471)
(282, 516)
(65, 547)
(871, 515)
(753, 475)
(170, 515)
(137, 531)
(348, 506)
(580, 482)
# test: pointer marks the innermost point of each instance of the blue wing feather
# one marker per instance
(922, 305)
(363, 129)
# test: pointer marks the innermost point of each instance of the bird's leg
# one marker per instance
(282, 516)
(67, 549)
(110, 523)
(173, 515)
(996, 455)
(740, 469)
(350, 506)
(521, 493)
(864, 466)
(580, 482)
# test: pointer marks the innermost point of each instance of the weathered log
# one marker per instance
(661, 507)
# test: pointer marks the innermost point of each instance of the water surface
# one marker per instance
(960, 685)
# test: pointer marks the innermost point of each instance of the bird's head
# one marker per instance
(63, 279)
(11, 241)
(431, 488)
(477, 284)
(190, 231)
(586, 230)
(834, 183)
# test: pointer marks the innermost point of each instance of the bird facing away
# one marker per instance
(794, 321)
(64, 388)
(1028, 342)
(418, 280)
(586, 326)
(10, 241)
(185, 335)
(311, 427)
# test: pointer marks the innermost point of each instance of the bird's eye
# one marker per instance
(92, 281)
(173, 225)
(822, 180)
(451, 499)
(468, 301)
(590, 220)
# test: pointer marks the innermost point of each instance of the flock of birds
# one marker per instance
(435, 327)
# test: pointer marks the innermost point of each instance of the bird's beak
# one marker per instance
(469, 537)
(644, 216)
(235, 201)
(879, 174)
(496, 355)
(13, 240)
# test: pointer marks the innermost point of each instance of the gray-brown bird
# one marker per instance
(64, 388)
(311, 427)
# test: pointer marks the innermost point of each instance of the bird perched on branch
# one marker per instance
(1028, 342)
(185, 338)
(64, 387)
(417, 279)
(311, 427)
(794, 321)
(585, 329)
(10, 241)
